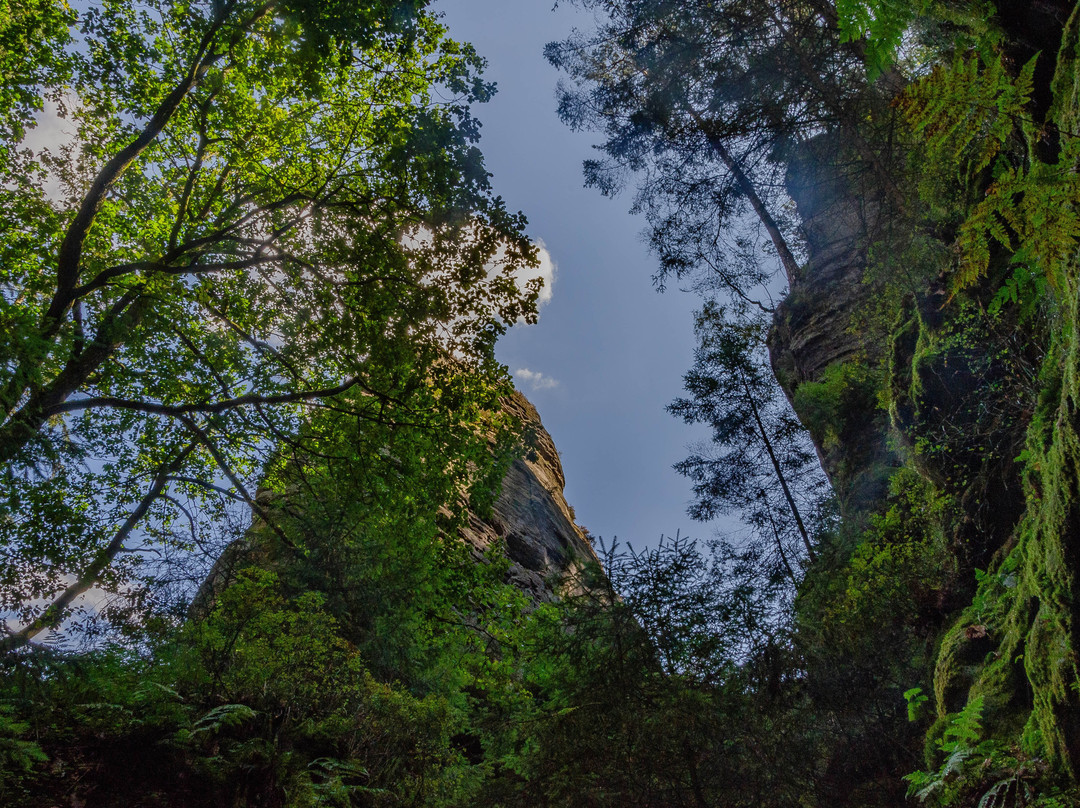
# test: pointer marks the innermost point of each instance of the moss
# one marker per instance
(1066, 83)
(842, 411)
(934, 736)
(846, 390)
(1028, 603)
(952, 676)
(905, 339)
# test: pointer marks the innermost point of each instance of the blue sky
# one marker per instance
(609, 352)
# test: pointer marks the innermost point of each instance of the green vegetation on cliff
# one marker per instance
(255, 327)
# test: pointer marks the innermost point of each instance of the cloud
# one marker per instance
(536, 381)
(547, 270)
(52, 133)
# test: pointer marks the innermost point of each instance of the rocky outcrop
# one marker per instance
(816, 343)
(531, 517)
(812, 326)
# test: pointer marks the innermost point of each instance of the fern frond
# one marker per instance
(966, 111)
(1035, 214)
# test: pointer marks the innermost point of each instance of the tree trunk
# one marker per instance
(780, 474)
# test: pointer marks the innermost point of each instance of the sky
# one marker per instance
(609, 351)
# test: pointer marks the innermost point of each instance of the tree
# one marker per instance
(760, 462)
(707, 103)
(658, 684)
(265, 208)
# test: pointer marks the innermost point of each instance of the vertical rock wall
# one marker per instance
(531, 516)
(815, 338)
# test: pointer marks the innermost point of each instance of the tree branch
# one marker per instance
(22, 423)
(56, 611)
(70, 255)
(787, 259)
(222, 464)
(803, 533)
(208, 407)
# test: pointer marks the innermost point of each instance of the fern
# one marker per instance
(18, 757)
(997, 794)
(1024, 290)
(333, 781)
(1034, 214)
(959, 742)
(964, 730)
(967, 111)
(915, 700)
(880, 25)
(225, 716)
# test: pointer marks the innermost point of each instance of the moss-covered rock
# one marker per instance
(1024, 660)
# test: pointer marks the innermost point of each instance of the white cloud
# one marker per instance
(52, 131)
(536, 381)
(52, 134)
(546, 270)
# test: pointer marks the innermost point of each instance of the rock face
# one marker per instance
(812, 326)
(815, 338)
(531, 517)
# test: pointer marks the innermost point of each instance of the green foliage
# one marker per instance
(670, 692)
(980, 771)
(288, 285)
(843, 390)
(959, 743)
(961, 392)
(901, 267)
(263, 702)
(34, 42)
(663, 82)
(915, 699)
(866, 620)
(302, 713)
(759, 463)
(225, 716)
(1030, 212)
(263, 207)
(701, 105)
(974, 125)
(880, 24)
(967, 111)
(1025, 290)
(18, 756)
(899, 567)
(1012, 647)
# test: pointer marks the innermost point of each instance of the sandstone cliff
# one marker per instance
(530, 517)
(817, 337)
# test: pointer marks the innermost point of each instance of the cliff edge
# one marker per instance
(530, 518)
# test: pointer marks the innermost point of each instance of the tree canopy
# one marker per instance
(247, 315)
(261, 208)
